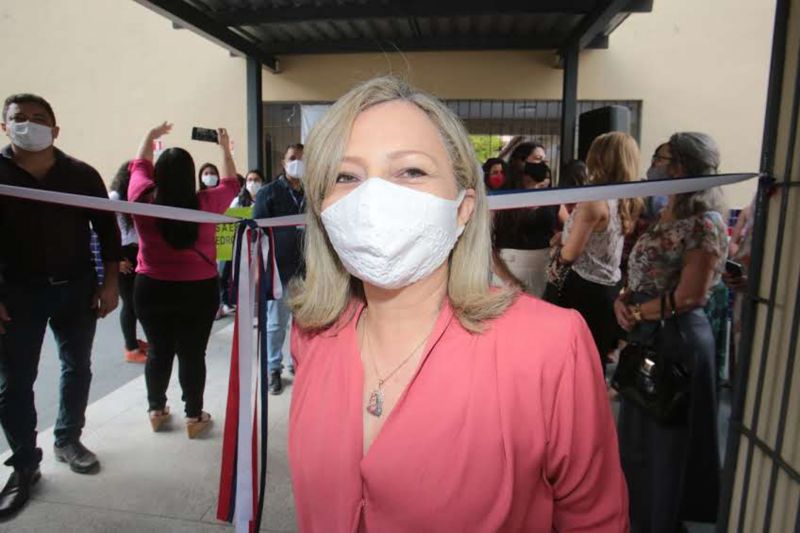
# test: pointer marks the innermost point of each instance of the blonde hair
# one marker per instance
(319, 299)
(614, 158)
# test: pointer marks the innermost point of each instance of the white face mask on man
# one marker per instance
(392, 236)
(210, 180)
(30, 136)
(296, 169)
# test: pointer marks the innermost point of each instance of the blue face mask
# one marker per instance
(658, 173)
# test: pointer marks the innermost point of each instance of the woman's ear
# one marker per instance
(467, 207)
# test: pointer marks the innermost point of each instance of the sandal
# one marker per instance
(195, 425)
(158, 417)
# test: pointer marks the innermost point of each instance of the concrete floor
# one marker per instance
(159, 482)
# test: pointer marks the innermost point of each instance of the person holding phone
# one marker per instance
(176, 291)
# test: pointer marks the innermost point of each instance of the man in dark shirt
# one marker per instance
(47, 274)
(282, 197)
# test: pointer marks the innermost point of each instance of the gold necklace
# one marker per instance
(375, 403)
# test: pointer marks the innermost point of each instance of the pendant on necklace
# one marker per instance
(375, 404)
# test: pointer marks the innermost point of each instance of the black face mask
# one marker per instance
(538, 171)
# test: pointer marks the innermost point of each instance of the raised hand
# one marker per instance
(163, 129)
(223, 139)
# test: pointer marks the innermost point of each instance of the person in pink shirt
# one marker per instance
(424, 399)
(176, 291)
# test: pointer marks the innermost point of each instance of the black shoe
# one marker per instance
(79, 458)
(17, 491)
(275, 382)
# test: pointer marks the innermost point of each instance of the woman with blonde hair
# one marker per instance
(425, 399)
(584, 273)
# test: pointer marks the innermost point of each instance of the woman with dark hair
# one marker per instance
(135, 349)
(673, 470)
(177, 291)
(526, 152)
(207, 176)
(573, 174)
(250, 185)
(495, 173)
(521, 237)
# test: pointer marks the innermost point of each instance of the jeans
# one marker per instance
(127, 313)
(177, 317)
(67, 307)
(225, 270)
(278, 314)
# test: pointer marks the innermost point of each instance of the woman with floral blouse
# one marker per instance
(673, 471)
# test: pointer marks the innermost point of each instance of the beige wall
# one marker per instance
(112, 68)
(695, 65)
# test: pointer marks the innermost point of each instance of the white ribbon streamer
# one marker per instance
(591, 193)
(248, 267)
(105, 204)
(510, 200)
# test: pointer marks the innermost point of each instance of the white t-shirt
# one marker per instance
(127, 232)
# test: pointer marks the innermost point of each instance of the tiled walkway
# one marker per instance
(159, 482)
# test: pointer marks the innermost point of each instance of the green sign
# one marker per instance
(226, 233)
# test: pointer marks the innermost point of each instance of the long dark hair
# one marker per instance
(203, 168)
(245, 198)
(120, 185)
(574, 174)
(174, 177)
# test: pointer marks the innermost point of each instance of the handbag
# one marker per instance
(651, 374)
(558, 271)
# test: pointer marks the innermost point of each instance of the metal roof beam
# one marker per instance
(184, 15)
(462, 42)
(594, 26)
(409, 8)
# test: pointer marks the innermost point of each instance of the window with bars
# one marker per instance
(492, 123)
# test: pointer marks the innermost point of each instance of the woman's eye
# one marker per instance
(413, 173)
(346, 178)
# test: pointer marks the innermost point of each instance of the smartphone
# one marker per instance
(205, 134)
(734, 269)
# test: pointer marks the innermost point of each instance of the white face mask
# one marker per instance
(253, 187)
(392, 236)
(296, 169)
(210, 180)
(30, 136)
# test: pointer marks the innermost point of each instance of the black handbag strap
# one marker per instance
(674, 311)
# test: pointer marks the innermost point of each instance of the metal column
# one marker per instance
(255, 116)
(569, 104)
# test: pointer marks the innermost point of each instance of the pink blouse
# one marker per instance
(509, 430)
(157, 259)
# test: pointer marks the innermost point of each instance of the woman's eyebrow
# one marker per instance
(402, 153)
(392, 155)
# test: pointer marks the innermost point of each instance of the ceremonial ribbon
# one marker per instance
(242, 482)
